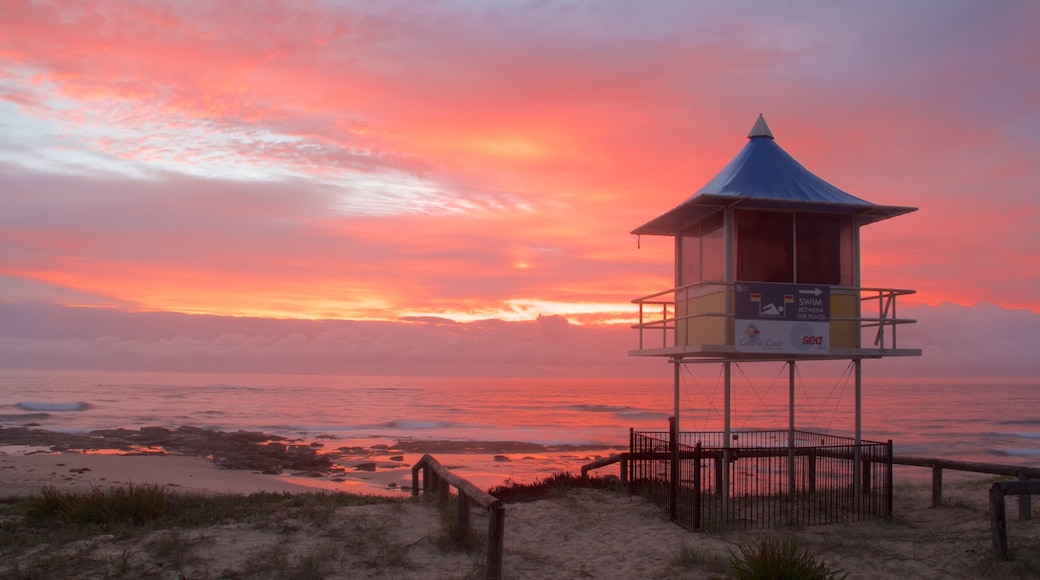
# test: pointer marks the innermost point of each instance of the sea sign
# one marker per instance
(782, 318)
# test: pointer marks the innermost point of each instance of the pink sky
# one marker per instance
(485, 161)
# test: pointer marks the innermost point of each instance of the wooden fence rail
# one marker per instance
(621, 458)
(938, 465)
(439, 480)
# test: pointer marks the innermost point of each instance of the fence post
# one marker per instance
(792, 471)
(812, 470)
(463, 517)
(673, 448)
(697, 486)
(936, 486)
(632, 454)
(1025, 505)
(998, 521)
(443, 490)
(415, 477)
(866, 473)
(889, 480)
(496, 531)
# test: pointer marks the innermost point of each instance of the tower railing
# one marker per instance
(660, 314)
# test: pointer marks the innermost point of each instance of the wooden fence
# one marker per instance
(938, 465)
(439, 480)
(1023, 488)
(997, 516)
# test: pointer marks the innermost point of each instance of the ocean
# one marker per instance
(995, 422)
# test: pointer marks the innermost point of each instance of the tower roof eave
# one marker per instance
(681, 218)
(764, 176)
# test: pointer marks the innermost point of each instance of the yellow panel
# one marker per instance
(702, 329)
(844, 334)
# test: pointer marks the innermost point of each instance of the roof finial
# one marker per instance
(760, 129)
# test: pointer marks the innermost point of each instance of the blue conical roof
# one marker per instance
(764, 176)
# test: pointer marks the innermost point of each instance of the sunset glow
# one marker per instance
(486, 161)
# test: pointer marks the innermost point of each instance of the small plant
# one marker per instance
(122, 563)
(173, 547)
(772, 559)
(689, 557)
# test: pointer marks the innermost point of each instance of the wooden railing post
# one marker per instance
(496, 533)
(1025, 503)
(463, 531)
(415, 477)
(936, 486)
(443, 491)
(998, 521)
(998, 514)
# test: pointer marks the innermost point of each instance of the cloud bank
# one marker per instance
(958, 342)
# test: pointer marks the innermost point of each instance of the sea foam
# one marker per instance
(54, 407)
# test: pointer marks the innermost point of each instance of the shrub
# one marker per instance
(773, 559)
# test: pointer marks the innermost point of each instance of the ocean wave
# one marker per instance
(637, 414)
(409, 424)
(1022, 434)
(56, 407)
(598, 408)
(1022, 452)
(1020, 422)
(22, 417)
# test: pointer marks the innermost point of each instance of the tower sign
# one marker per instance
(782, 318)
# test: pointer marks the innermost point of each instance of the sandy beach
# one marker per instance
(581, 533)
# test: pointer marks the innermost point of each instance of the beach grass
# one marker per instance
(150, 505)
(107, 509)
(552, 486)
(75, 534)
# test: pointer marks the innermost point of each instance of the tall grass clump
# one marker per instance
(133, 505)
(772, 559)
(549, 487)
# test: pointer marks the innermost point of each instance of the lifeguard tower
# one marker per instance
(767, 268)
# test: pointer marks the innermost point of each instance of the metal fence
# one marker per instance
(764, 478)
